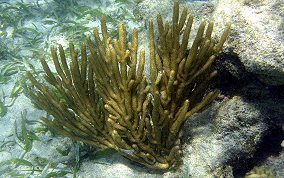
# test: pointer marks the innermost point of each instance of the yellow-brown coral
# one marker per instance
(109, 103)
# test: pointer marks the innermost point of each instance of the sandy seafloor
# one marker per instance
(29, 148)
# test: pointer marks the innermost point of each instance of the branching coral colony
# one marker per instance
(107, 102)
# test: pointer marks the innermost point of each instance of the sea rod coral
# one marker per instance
(107, 102)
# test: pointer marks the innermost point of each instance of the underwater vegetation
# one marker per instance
(102, 97)
(27, 29)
